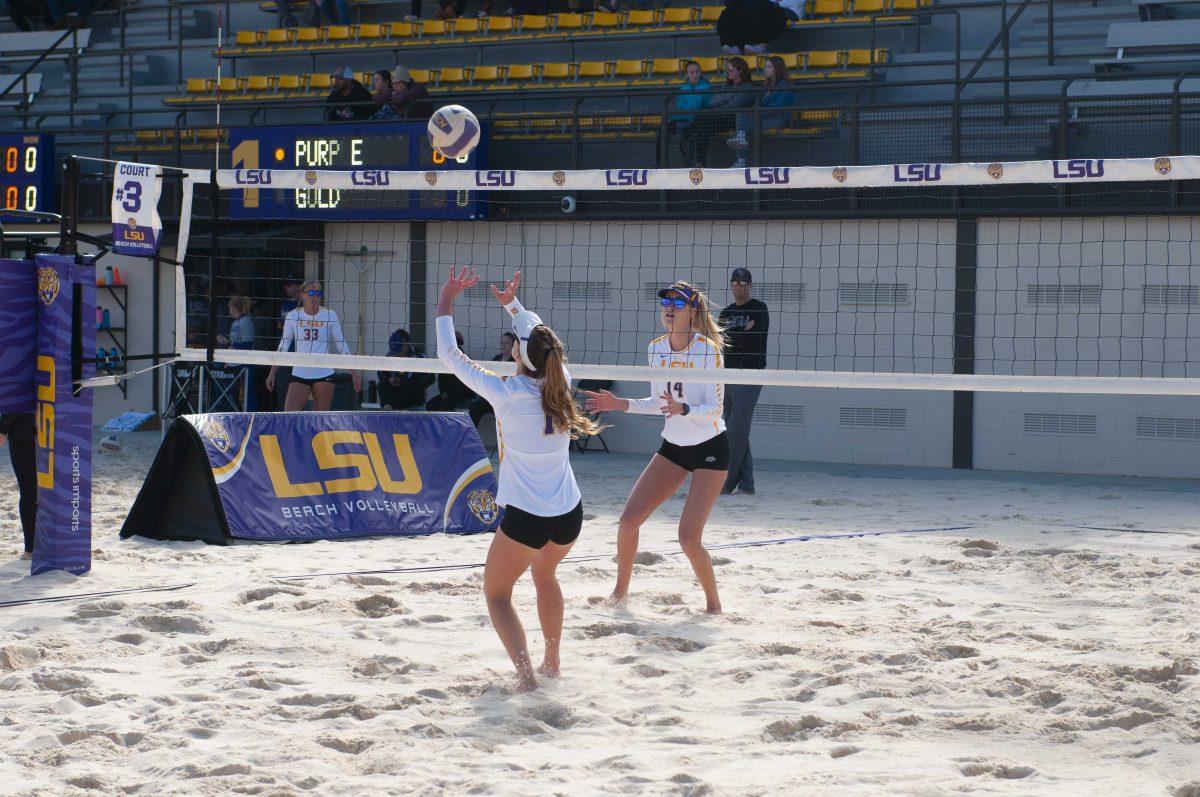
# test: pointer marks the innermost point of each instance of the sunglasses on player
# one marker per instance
(317, 294)
(676, 302)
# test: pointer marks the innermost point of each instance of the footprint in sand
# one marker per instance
(262, 593)
(376, 606)
(88, 611)
(350, 746)
(556, 715)
(171, 624)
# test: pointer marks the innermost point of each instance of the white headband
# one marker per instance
(523, 323)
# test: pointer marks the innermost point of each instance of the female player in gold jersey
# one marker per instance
(694, 439)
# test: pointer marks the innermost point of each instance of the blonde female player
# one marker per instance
(312, 328)
(694, 439)
(536, 419)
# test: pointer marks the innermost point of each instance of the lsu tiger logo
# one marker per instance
(131, 224)
(310, 177)
(559, 178)
(995, 171)
(483, 506)
(840, 174)
(431, 178)
(47, 285)
(696, 176)
(1162, 165)
(216, 434)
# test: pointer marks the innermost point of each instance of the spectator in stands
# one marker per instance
(478, 406)
(410, 99)
(381, 90)
(400, 390)
(241, 336)
(27, 13)
(335, 10)
(692, 130)
(349, 101)
(59, 9)
(775, 77)
(792, 9)
(452, 394)
(739, 93)
(745, 26)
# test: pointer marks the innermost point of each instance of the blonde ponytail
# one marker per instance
(703, 320)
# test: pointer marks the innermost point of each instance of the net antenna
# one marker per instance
(1057, 301)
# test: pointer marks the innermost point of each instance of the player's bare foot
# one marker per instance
(548, 669)
(713, 609)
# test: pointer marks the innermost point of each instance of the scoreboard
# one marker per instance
(401, 146)
(26, 173)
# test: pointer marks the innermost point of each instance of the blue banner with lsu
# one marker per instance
(66, 302)
(309, 475)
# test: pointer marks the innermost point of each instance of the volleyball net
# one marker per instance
(868, 283)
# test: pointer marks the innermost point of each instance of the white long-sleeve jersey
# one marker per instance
(706, 401)
(535, 466)
(312, 334)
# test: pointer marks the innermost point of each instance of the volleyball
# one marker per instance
(453, 131)
(110, 443)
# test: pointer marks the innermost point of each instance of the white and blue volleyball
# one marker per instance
(453, 131)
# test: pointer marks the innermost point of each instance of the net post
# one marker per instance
(417, 278)
(70, 206)
(966, 252)
(214, 214)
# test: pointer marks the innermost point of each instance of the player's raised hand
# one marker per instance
(458, 282)
(603, 401)
(510, 290)
(672, 407)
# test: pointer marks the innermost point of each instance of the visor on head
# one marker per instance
(682, 291)
(523, 324)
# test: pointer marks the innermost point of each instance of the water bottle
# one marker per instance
(100, 354)
(108, 275)
(107, 320)
(99, 318)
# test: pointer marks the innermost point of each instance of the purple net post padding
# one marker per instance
(18, 334)
(63, 539)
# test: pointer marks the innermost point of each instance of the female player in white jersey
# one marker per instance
(536, 419)
(694, 438)
(311, 328)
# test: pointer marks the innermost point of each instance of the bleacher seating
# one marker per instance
(14, 92)
(536, 27)
(1160, 42)
(25, 46)
(662, 72)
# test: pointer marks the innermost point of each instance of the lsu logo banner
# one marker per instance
(137, 228)
(310, 476)
(18, 330)
(63, 415)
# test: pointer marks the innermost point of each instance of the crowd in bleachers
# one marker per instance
(30, 15)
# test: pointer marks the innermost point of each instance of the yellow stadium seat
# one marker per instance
(260, 83)
(535, 22)
(593, 70)
(247, 38)
(289, 82)
(435, 27)
(368, 32)
(366, 78)
(710, 13)
(199, 85)
(422, 75)
(680, 16)
(629, 68)
(863, 7)
(501, 24)
(666, 66)
(790, 60)
(556, 71)
(401, 30)
(148, 135)
(308, 35)
(605, 19)
(453, 74)
(488, 74)
(279, 36)
(709, 65)
(568, 21)
(228, 85)
(828, 8)
(337, 33)
(517, 72)
(468, 25)
(207, 134)
(821, 59)
(905, 5)
(641, 19)
(863, 57)
(320, 80)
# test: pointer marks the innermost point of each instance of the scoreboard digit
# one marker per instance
(26, 174)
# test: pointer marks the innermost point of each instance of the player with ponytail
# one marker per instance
(536, 419)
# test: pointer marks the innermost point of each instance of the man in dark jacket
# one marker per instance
(746, 323)
(349, 101)
(18, 429)
(400, 390)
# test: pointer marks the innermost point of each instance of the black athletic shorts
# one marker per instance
(712, 454)
(535, 530)
(305, 381)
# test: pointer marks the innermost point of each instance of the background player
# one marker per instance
(694, 439)
(536, 419)
(311, 328)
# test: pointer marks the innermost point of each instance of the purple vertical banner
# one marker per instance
(66, 302)
(18, 333)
